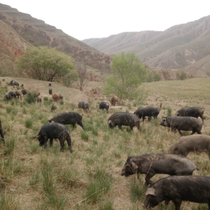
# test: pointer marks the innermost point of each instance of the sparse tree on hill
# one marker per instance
(45, 63)
(127, 75)
(182, 75)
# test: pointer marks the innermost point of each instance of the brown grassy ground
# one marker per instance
(89, 178)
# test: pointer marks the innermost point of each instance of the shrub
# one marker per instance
(46, 98)
(48, 102)
(98, 186)
(30, 97)
(28, 123)
(34, 179)
(84, 136)
(182, 75)
(68, 177)
(10, 146)
(9, 109)
(169, 111)
(106, 205)
(136, 191)
(8, 202)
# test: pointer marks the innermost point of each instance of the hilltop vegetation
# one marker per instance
(183, 47)
(20, 31)
(89, 178)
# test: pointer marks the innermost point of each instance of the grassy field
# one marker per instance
(35, 178)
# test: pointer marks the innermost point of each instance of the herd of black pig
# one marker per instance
(181, 185)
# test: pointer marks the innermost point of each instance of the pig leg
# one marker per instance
(138, 126)
(177, 202)
(51, 142)
(45, 141)
(149, 175)
(2, 136)
(131, 127)
(209, 204)
(167, 202)
(173, 129)
(74, 126)
(193, 131)
(120, 127)
(62, 144)
(180, 132)
(68, 139)
(199, 132)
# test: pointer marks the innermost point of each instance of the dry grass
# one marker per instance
(89, 178)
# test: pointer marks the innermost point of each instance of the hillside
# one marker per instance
(20, 30)
(32, 177)
(184, 46)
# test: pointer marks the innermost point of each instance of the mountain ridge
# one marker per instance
(178, 47)
(21, 30)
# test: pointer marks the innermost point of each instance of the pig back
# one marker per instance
(170, 164)
(184, 123)
(188, 188)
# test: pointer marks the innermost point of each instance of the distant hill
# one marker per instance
(185, 46)
(20, 30)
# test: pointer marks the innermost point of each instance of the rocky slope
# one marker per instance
(184, 46)
(20, 30)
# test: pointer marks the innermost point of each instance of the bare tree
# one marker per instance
(82, 72)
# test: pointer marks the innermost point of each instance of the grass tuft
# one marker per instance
(99, 185)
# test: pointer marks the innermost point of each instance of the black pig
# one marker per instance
(2, 133)
(104, 105)
(24, 92)
(191, 112)
(148, 111)
(83, 105)
(54, 131)
(178, 189)
(182, 123)
(72, 118)
(151, 164)
(194, 143)
(124, 118)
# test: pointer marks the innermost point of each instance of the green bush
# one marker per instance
(7, 202)
(28, 123)
(34, 179)
(98, 186)
(10, 146)
(169, 111)
(84, 136)
(46, 98)
(106, 205)
(136, 191)
(30, 97)
(182, 75)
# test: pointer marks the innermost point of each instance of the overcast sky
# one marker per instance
(84, 19)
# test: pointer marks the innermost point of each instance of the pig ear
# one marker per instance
(150, 191)
(134, 166)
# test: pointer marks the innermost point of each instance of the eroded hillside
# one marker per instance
(20, 30)
(184, 46)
